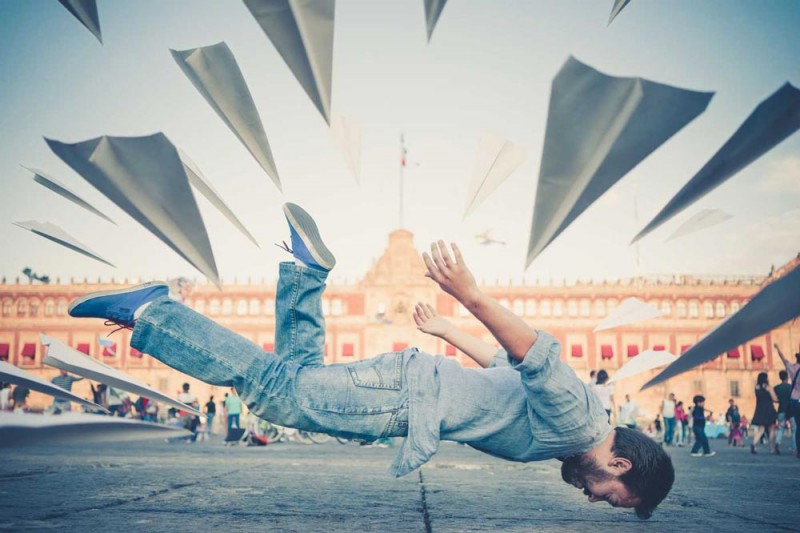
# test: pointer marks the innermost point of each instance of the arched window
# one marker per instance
(213, 306)
(519, 307)
(720, 309)
(708, 309)
(49, 307)
(227, 306)
(326, 307)
(34, 308)
(586, 307)
(505, 303)
(694, 309)
(572, 308)
(558, 308)
(241, 307)
(8, 304)
(530, 307)
(611, 304)
(336, 307)
(61, 307)
(600, 308)
(734, 306)
(22, 307)
(544, 308)
(255, 306)
(200, 306)
(269, 307)
(666, 307)
(680, 309)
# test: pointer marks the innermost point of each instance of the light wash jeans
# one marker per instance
(782, 418)
(291, 387)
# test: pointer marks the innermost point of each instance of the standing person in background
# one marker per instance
(680, 424)
(211, 410)
(5, 396)
(629, 412)
(784, 393)
(65, 381)
(19, 399)
(658, 426)
(113, 399)
(233, 406)
(794, 399)
(605, 392)
(734, 420)
(765, 415)
(668, 413)
(699, 428)
(592, 379)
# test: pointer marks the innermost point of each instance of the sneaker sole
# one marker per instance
(306, 228)
(114, 292)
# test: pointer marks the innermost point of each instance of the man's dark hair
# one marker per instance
(783, 374)
(699, 398)
(185, 387)
(651, 475)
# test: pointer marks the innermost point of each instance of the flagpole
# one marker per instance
(402, 176)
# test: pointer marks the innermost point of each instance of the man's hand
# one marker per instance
(429, 322)
(451, 274)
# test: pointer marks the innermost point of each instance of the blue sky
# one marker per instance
(488, 66)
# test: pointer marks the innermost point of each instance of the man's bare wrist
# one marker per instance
(472, 299)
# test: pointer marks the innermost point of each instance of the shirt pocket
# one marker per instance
(382, 372)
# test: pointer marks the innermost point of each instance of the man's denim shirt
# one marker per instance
(532, 410)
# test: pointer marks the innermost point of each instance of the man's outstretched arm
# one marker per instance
(454, 278)
(428, 321)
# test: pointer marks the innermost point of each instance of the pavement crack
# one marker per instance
(426, 517)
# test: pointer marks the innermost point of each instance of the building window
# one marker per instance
(545, 308)
(399, 346)
(505, 303)
(530, 307)
(34, 308)
(163, 384)
(697, 384)
(7, 306)
(611, 304)
(734, 386)
(734, 307)
(336, 307)
(586, 308)
(708, 309)
(269, 306)
(200, 306)
(558, 308)
(61, 308)
(213, 307)
(519, 307)
(241, 307)
(680, 309)
(22, 308)
(572, 308)
(694, 310)
(720, 309)
(49, 307)
(227, 306)
(255, 307)
(666, 307)
(348, 349)
(326, 307)
(450, 350)
(600, 308)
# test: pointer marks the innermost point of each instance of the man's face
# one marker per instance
(597, 483)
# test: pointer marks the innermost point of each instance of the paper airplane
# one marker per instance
(43, 179)
(144, 176)
(26, 429)
(86, 13)
(619, 5)
(700, 221)
(346, 134)
(216, 75)
(200, 183)
(630, 311)
(598, 128)
(11, 374)
(302, 32)
(496, 160)
(63, 357)
(647, 360)
(58, 235)
(774, 305)
(775, 119)
(433, 9)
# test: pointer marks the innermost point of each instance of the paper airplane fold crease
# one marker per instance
(54, 233)
(86, 13)
(11, 374)
(433, 10)
(630, 311)
(47, 181)
(496, 160)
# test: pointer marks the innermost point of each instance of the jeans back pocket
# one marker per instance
(382, 372)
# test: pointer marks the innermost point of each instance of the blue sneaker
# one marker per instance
(307, 245)
(118, 306)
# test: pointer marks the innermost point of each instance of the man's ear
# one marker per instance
(620, 465)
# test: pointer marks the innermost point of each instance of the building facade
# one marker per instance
(374, 316)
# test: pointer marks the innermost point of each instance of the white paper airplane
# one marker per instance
(216, 76)
(599, 127)
(647, 360)
(700, 221)
(346, 134)
(433, 10)
(145, 177)
(61, 356)
(86, 12)
(496, 160)
(775, 119)
(200, 183)
(11, 374)
(302, 32)
(630, 311)
(619, 5)
(54, 233)
(774, 305)
(49, 182)
(27, 429)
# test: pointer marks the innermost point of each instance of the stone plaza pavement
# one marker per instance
(156, 486)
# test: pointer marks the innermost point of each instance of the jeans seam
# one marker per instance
(293, 314)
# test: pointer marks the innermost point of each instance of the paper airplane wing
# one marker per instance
(11, 374)
(214, 72)
(200, 183)
(619, 5)
(144, 176)
(700, 221)
(647, 360)
(46, 181)
(630, 311)
(24, 429)
(54, 233)
(63, 357)
(622, 121)
(302, 32)
(346, 134)
(775, 119)
(496, 160)
(433, 10)
(86, 12)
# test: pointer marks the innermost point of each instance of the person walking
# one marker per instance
(233, 406)
(211, 411)
(65, 381)
(734, 420)
(785, 421)
(629, 412)
(680, 424)
(765, 415)
(5, 396)
(668, 414)
(605, 391)
(699, 428)
(793, 369)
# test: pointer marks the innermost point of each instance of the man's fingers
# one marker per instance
(433, 272)
(444, 253)
(457, 253)
(437, 257)
(425, 311)
(417, 320)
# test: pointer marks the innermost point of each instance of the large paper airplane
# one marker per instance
(54, 233)
(700, 221)
(647, 360)
(433, 10)
(47, 181)
(27, 429)
(86, 12)
(200, 183)
(775, 119)
(630, 311)
(302, 32)
(773, 306)
(598, 128)
(11, 374)
(496, 160)
(216, 75)
(619, 5)
(144, 176)
(346, 134)
(61, 356)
